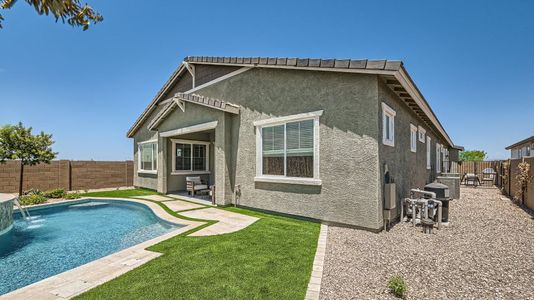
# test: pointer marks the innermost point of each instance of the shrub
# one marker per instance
(71, 196)
(32, 199)
(32, 192)
(56, 193)
(397, 286)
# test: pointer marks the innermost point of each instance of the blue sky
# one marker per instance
(471, 59)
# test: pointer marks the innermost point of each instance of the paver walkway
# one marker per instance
(178, 205)
(153, 197)
(228, 221)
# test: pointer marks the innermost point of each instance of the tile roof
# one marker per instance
(390, 65)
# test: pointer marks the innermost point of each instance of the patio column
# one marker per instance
(162, 164)
(222, 189)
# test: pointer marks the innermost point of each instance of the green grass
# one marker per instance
(121, 193)
(271, 259)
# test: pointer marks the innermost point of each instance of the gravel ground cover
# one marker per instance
(487, 252)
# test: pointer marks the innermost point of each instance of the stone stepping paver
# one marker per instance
(228, 221)
(178, 205)
(153, 197)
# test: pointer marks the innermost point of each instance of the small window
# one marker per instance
(147, 157)
(422, 133)
(190, 157)
(388, 125)
(413, 138)
(428, 160)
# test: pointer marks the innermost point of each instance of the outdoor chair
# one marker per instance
(195, 184)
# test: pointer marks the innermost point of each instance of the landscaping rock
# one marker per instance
(485, 253)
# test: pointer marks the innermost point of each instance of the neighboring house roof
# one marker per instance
(192, 98)
(392, 71)
(530, 139)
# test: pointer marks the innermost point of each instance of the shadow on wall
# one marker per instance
(289, 188)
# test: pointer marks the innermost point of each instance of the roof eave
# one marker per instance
(154, 102)
(529, 139)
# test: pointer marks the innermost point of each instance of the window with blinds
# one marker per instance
(287, 149)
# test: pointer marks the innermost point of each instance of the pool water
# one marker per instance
(64, 237)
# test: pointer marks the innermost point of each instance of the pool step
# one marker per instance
(89, 204)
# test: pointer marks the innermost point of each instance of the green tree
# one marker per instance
(71, 11)
(18, 142)
(472, 155)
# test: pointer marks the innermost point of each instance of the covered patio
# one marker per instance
(194, 143)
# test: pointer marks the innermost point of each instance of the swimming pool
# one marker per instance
(63, 237)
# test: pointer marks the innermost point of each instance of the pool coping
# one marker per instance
(75, 281)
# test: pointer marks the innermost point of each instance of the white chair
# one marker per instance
(195, 184)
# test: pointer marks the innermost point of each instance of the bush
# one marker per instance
(397, 286)
(32, 192)
(71, 196)
(32, 199)
(55, 194)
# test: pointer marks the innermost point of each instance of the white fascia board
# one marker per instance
(190, 129)
(292, 118)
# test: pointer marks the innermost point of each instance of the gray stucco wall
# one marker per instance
(408, 169)
(348, 142)
(352, 155)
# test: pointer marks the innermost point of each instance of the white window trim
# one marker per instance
(438, 158)
(190, 129)
(413, 138)
(260, 177)
(388, 111)
(422, 134)
(190, 142)
(428, 153)
(139, 164)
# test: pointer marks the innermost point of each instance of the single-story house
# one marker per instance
(522, 148)
(306, 137)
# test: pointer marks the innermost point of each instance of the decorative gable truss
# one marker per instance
(179, 100)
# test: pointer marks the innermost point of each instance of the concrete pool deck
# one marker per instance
(85, 277)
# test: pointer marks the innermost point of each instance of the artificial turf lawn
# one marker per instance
(121, 193)
(270, 259)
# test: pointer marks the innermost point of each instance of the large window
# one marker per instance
(147, 156)
(190, 156)
(288, 149)
(413, 138)
(388, 125)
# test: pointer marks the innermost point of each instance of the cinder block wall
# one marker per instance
(69, 175)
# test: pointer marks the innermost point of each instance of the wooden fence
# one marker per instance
(66, 174)
(505, 178)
